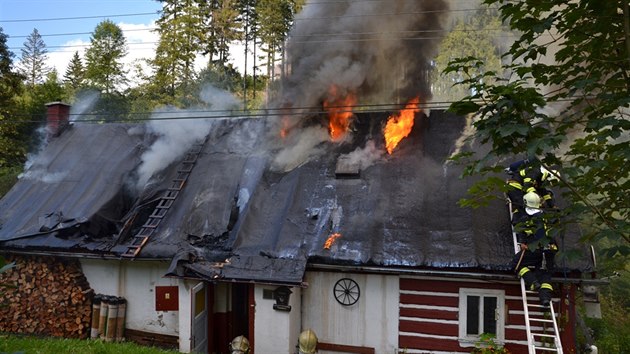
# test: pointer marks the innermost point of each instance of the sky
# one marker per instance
(66, 26)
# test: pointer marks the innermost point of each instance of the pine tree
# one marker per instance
(12, 147)
(104, 68)
(275, 18)
(226, 27)
(33, 60)
(180, 30)
(75, 73)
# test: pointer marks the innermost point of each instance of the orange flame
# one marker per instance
(399, 125)
(331, 239)
(284, 129)
(339, 110)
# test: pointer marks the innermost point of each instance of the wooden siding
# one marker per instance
(429, 312)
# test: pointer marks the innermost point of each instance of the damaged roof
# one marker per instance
(237, 218)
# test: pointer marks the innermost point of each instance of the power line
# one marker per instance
(295, 19)
(79, 17)
(392, 14)
(239, 113)
(82, 33)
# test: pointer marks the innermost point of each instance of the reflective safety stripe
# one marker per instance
(515, 184)
(531, 189)
(546, 197)
(523, 271)
(522, 173)
(527, 180)
(546, 286)
(544, 175)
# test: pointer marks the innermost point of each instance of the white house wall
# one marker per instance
(276, 331)
(371, 322)
(185, 311)
(135, 281)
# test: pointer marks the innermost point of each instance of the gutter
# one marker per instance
(445, 273)
(78, 255)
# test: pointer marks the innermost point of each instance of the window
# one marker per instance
(480, 311)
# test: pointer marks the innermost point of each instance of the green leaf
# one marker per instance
(464, 107)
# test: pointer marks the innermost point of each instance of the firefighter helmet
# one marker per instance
(239, 345)
(308, 342)
(531, 201)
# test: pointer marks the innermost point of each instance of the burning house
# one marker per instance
(331, 217)
(363, 243)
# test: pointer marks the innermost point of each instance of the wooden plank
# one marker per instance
(454, 286)
(429, 300)
(441, 329)
(422, 343)
(152, 339)
(424, 313)
(341, 348)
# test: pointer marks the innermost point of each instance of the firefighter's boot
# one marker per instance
(545, 293)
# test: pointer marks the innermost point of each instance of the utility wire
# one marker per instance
(298, 35)
(82, 33)
(235, 114)
(78, 17)
(297, 18)
(261, 113)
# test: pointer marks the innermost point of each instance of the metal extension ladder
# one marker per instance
(165, 202)
(547, 338)
(543, 335)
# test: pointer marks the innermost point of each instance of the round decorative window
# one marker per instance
(346, 291)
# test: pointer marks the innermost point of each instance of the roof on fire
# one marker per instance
(236, 218)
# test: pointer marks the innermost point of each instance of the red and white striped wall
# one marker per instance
(429, 315)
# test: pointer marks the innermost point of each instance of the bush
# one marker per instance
(487, 345)
(612, 331)
(8, 177)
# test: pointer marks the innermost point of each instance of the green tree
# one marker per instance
(32, 63)
(275, 18)
(75, 73)
(476, 35)
(226, 27)
(104, 69)
(180, 27)
(566, 102)
(12, 148)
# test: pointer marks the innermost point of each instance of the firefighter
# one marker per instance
(535, 262)
(239, 345)
(524, 218)
(307, 342)
(529, 176)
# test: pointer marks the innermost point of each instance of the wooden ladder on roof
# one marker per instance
(543, 335)
(165, 201)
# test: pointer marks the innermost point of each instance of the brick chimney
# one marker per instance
(57, 118)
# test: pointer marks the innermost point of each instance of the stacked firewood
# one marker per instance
(45, 296)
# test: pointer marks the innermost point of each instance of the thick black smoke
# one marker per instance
(379, 50)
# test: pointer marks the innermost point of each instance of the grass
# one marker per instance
(14, 344)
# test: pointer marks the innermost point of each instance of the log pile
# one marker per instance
(45, 296)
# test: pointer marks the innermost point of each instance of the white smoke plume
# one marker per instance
(303, 146)
(35, 167)
(85, 101)
(178, 130)
(363, 157)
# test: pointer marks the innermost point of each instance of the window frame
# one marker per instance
(467, 340)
